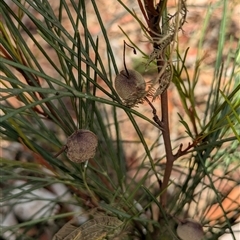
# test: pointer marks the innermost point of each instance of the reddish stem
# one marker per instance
(143, 11)
(154, 26)
(168, 148)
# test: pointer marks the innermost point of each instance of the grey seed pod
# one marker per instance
(130, 86)
(189, 229)
(81, 145)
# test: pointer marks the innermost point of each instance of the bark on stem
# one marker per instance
(168, 148)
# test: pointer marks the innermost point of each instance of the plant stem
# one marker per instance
(168, 148)
(154, 14)
(60, 151)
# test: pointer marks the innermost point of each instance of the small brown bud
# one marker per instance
(189, 229)
(81, 145)
(130, 86)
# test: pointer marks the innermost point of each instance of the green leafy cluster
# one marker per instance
(42, 107)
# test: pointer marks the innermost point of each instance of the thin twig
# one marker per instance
(143, 11)
(124, 51)
(60, 151)
(155, 116)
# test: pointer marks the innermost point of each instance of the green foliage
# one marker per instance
(43, 104)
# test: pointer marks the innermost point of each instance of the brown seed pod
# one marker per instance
(189, 229)
(81, 145)
(130, 85)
